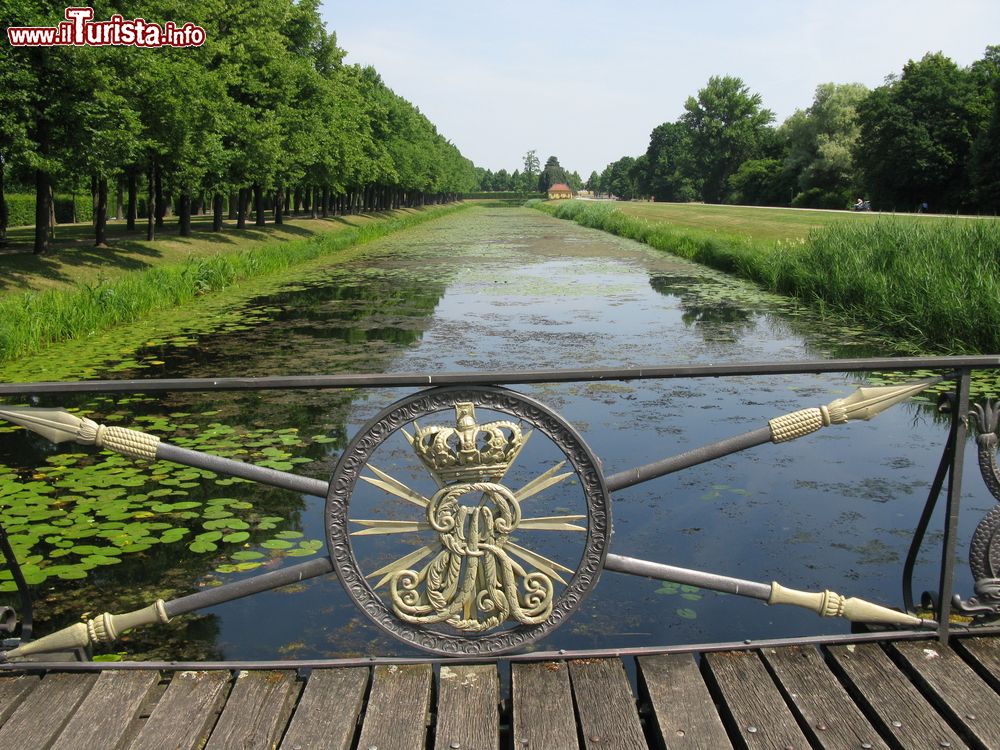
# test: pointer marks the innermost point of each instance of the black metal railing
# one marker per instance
(406, 616)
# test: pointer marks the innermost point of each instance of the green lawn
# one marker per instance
(758, 223)
(74, 260)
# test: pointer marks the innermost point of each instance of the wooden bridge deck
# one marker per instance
(907, 694)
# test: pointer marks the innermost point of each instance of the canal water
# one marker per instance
(484, 289)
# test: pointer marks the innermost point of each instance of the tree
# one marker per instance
(726, 125)
(668, 159)
(917, 133)
(593, 183)
(530, 165)
(821, 141)
(551, 175)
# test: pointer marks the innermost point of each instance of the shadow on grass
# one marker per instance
(73, 257)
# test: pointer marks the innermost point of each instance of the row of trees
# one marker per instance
(929, 137)
(265, 111)
(533, 178)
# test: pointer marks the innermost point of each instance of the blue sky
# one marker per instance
(587, 81)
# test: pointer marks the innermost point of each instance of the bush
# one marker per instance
(21, 209)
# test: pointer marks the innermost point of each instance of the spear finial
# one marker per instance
(58, 425)
(864, 403)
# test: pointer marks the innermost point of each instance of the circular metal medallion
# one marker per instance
(490, 497)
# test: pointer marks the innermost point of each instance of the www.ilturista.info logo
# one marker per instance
(81, 31)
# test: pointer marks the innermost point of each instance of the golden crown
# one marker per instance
(468, 452)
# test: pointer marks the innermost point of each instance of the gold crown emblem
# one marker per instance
(468, 452)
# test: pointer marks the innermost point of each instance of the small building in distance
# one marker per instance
(560, 190)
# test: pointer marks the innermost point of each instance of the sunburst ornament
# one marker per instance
(469, 587)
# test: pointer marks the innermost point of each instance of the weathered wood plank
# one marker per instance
(468, 713)
(983, 652)
(109, 711)
(55, 699)
(608, 717)
(257, 711)
(753, 701)
(889, 695)
(13, 690)
(397, 713)
(834, 721)
(543, 706)
(327, 714)
(185, 714)
(683, 709)
(954, 685)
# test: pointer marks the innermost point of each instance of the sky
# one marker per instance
(587, 81)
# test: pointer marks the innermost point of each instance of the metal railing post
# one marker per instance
(960, 430)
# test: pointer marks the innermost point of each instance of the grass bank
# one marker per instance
(33, 319)
(933, 282)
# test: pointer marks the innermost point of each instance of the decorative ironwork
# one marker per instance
(984, 550)
(477, 579)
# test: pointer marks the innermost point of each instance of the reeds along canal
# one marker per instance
(484, 289)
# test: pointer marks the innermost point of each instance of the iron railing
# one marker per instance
(480, 593)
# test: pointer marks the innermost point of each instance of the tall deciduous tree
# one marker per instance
(821, 141)
(917, 133)
(726, 125)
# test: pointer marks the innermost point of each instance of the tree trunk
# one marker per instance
(41, 212)
(119, 196)
(93, 201)
(184, 222)
(279, 195)
(133, 199)
(258, 204)
(297, 201)
(287, 201)
(101, 213)
(151, 203)
(161, 207)
(241, 209)
(217, 212)
(234, 202)
(4, 212)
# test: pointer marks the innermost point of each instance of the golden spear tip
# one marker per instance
(868, 401)
(57, 425)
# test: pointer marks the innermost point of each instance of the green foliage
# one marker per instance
(22, 208)
(552, 174)
(759, 182)
(917, 133)
(726, 125)
(266, 103)
(922, 281)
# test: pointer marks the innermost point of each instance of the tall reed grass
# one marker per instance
(32, 320)
(935, 285)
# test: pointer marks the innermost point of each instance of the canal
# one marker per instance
(484, 289)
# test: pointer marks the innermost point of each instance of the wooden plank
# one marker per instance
(327, 714)
(468, 714)
(257, 711)
(605, 705)
(822, 703)
(683, 709)
(543, 706)
(184, 716)
(109, 712)
(397, 714)
(953, 684)
(983, 654)
(13, 690)
(890, 696)
(751, 698)
(45, 711)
